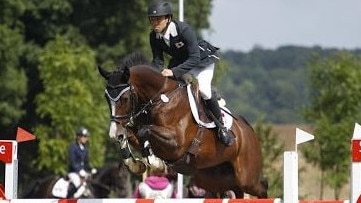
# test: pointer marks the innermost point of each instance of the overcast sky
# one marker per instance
(242, 24)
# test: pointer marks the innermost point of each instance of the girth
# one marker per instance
(184, 164)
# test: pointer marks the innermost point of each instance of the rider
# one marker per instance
(79, 167)
(189, 54)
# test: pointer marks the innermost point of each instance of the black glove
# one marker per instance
(187, 78)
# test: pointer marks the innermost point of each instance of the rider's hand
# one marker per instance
(187, 78)
(82, 173)
(167, 72)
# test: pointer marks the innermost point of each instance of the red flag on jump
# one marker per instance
(23, 135)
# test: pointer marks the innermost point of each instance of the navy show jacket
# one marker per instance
(186, 49)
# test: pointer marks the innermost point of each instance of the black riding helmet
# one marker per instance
(161, 8)
(82, 132)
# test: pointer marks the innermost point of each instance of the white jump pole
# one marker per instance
(180, 176)
(290, 179)
(356, 165)
(181, 10)
(290, 168)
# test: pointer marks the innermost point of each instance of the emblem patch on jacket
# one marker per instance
(179, 44)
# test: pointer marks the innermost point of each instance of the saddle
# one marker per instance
(198, 109)
(62, 188)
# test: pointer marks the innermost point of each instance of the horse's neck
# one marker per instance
(150, 85)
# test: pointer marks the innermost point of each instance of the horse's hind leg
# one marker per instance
(238, 192)
(260, 189)
(251, 184)
(234, 193)
(264, 184)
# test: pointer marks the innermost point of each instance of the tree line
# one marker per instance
(270, 83)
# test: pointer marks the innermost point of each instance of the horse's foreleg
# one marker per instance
(155, 163)
(163, 135)
(163, 142)
(133, 164)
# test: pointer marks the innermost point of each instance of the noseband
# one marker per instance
(114, 93)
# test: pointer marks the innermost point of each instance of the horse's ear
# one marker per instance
(103, 72)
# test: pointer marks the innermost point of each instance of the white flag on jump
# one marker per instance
(302, 136)
(357, 132)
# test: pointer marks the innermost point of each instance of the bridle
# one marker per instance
(119, 90)
(113, 94)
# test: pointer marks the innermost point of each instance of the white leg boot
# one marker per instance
(80, 191)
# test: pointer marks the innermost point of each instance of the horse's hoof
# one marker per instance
(157, 165)
(141, 166)
(136, 166)
(229, 194)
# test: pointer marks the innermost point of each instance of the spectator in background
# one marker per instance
(155, 186)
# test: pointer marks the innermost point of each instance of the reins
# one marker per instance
(146, 107)
(134, 113)
(127, 88)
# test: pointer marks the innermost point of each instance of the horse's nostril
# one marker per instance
(120, 137)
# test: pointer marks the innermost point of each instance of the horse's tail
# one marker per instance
(264, 183)
(242, 119)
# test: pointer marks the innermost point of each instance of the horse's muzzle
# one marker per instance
(120, 137)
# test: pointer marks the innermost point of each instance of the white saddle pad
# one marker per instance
(60, 188)
(228, 119)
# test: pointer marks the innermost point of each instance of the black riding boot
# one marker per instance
(212, 105)
(71, 190)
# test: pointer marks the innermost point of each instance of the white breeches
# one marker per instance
(204, 77)
(75, 179)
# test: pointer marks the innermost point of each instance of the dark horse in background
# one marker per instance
(112, 180)
(145, 106)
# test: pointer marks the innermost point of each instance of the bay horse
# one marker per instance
(111, 179)
(146, 106)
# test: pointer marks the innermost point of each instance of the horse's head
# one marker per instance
(119, 93)
(119, 98)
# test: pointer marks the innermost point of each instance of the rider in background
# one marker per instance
(189, 54)
(79, 167)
